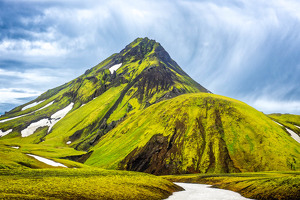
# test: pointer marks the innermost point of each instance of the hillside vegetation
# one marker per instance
(12, 158)
(192, 133)
(82, 184)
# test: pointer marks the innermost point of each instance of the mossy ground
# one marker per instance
(82, 184)
(260, 185)
(11, 158)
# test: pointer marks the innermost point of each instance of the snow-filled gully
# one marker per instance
(32, 105)
(47, 122)
(47, 161)
(5, 120)
(115, 68)
(3, 133)
(194, 191)
(294, 135)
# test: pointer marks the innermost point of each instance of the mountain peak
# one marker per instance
(140, 47)
(141, 41)
(145, 48)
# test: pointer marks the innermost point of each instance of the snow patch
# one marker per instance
(294, 135)
(278, 123)
(34, 126)
(69, 142)
(5, 120)
(194, 191)
(297, 126)
(115, 67)
(15, 147)
(49, 104)
(3, 133)
(59, 115)
(47, 122)
(32, 104)
(82, 105)
(47, 161)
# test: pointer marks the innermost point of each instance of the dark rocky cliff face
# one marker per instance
(163, 155)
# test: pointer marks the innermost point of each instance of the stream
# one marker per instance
(194, 191)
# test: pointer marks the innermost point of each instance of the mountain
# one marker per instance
(138, 110)
(140, 75)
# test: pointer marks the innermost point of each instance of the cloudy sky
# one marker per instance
(248, 50)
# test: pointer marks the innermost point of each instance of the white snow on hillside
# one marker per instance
(47, 122)
(60, 114)
(32, 104)
(3, 133)
(292, 133)
(69, 142)
(34, 126)
(5, 120)
(115, 68)
(49, 104)
(47, 161)
(278, 123)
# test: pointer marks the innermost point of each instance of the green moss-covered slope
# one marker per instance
(197, 133)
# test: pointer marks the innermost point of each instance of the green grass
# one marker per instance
(260, 185)
(82, 184)
(82, 117)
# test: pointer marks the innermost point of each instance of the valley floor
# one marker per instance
(95, 183)
(259, 185)
(88, 183)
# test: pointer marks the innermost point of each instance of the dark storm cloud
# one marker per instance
(247, 50)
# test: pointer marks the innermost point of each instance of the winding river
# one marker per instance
(194, 191)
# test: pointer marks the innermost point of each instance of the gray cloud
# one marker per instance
(247, 50)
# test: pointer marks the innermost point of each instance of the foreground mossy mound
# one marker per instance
(192, 133)
(260, 185)
(82, 184)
